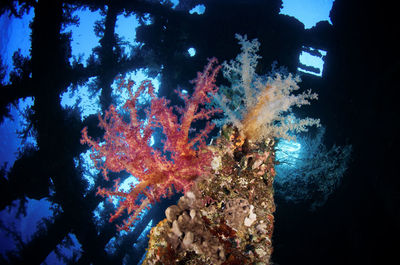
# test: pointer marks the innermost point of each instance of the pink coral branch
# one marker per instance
(126, 145)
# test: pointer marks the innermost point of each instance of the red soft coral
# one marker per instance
(126, 145)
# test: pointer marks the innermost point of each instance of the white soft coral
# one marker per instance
(260, 106)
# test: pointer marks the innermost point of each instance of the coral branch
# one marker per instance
(126, 145)
(268, 100)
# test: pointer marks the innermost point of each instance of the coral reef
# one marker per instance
(227, 218)
(226, 213)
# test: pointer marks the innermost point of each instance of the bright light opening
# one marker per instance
(311, 61)
(142, 235)
(10, 141)
(309, 12)
(81, 97)
(192, 52)
(199, 9)
(83, 37)
(288, 152)
(14, 35)
(175, 3)
(126, 30)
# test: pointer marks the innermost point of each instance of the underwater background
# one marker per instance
(337, 189)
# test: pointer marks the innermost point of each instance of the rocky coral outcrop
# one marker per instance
(224, 219)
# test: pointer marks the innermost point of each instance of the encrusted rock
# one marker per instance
(188, 239)
(248, 221)
(175, 228)
(236, 211)
(226, 219)
(172, 212)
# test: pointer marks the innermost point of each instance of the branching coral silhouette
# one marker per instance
(126, 145)
(313, 173)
